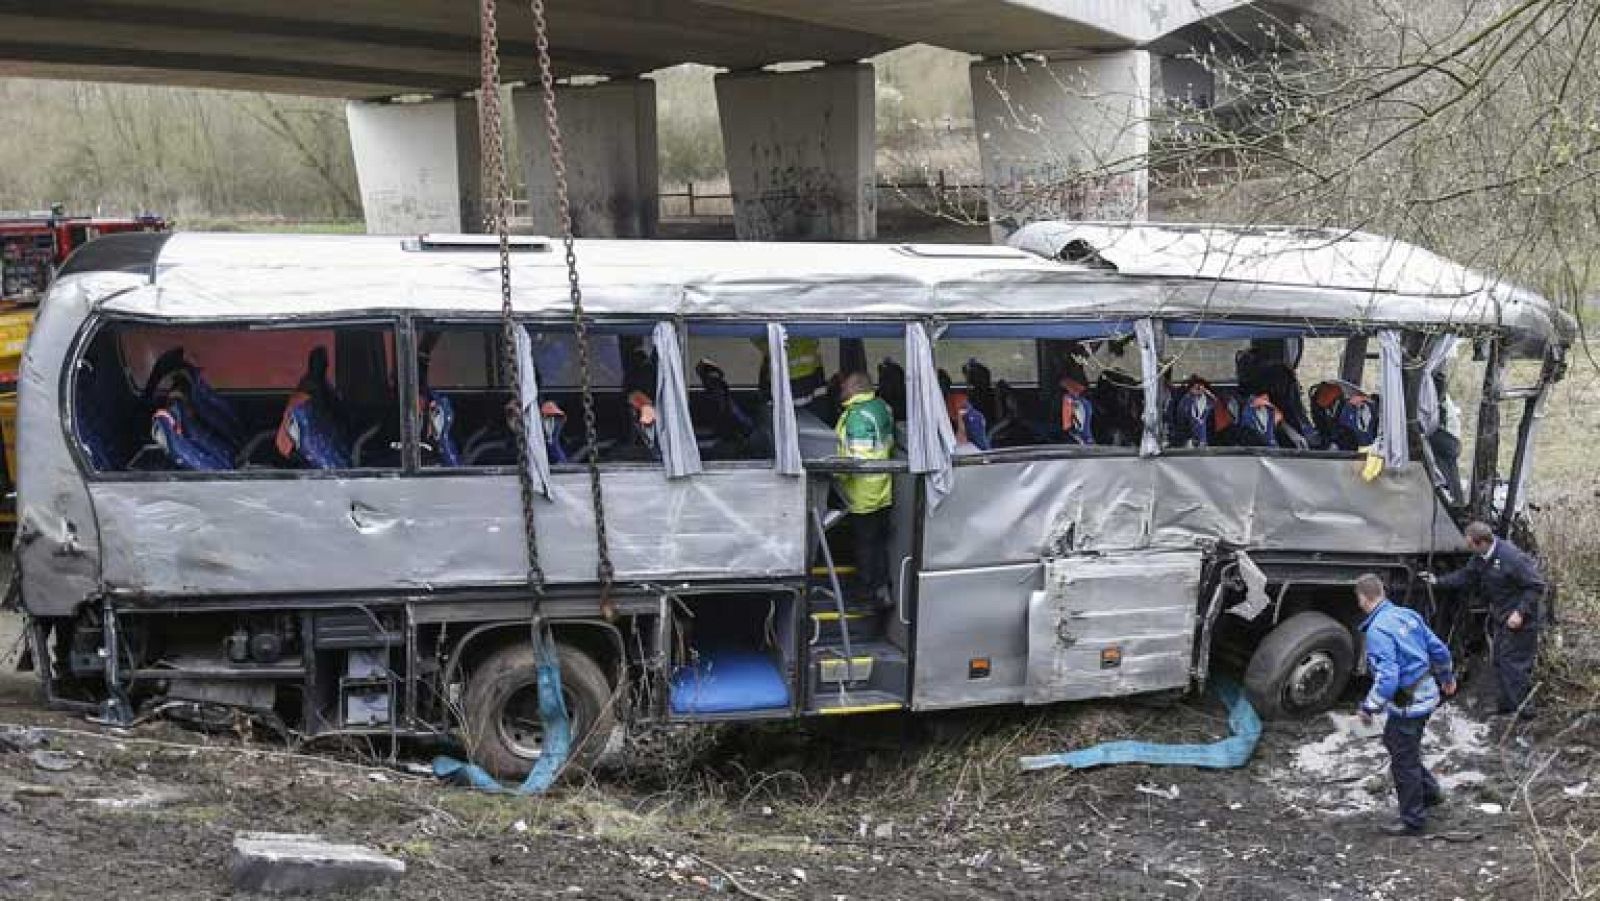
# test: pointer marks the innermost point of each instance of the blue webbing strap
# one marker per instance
(555, 744)
(1233, 751)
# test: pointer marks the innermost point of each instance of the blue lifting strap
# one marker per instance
(1233, 751)
(555, 744)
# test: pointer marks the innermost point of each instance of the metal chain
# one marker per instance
(558, 165)
(496, 217)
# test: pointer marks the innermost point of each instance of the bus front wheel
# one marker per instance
(504, 731)
(1301, 667)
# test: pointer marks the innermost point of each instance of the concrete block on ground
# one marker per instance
(283, 863)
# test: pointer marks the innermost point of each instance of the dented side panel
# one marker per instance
(58, 541)
(392, 533)
(1016, 512)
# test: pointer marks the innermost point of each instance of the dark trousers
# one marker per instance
(871, 534)
(1514, 653)
(1414, 785)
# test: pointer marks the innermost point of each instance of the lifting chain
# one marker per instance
(496, 191)
(491, 123)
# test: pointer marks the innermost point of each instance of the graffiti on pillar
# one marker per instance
(797, 203)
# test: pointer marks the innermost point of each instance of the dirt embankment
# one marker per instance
(886, 808)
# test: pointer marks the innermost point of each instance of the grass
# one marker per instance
(275, 225)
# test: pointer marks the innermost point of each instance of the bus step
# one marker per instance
(821, 572)
(859, 702)
(871, 666)
(832, 670)
(827, 628)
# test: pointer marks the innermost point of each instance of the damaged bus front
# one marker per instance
(278, 474)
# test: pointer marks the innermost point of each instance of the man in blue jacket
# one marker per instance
(1410, 669)
(1509, 581)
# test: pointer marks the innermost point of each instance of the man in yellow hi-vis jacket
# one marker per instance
(866, 432)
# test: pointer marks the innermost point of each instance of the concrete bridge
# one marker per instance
(799, 144)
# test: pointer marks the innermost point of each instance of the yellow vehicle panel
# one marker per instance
(15, 326)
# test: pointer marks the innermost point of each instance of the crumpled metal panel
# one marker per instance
(1003, 512)
(1112, 625)
(58, 542)
(209, 537)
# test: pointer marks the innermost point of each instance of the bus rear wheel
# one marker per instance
(1301, 667)
(504, 732)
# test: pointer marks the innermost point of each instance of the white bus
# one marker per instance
(276, 472)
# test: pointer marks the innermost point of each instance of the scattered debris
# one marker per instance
(1168, 794)
(1347, 771)
(282, 862)
(52, 761)
(14, 739)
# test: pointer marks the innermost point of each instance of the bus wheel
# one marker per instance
(1301, 667)
(504, 734)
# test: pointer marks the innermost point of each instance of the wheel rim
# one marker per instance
(521, 728)
(1310, 680)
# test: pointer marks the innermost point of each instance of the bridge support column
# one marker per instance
(608, 132)
(417, 165)
(800, 149)
(1064, 139)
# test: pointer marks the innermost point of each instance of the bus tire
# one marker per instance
(502, 714)
(1301, 668)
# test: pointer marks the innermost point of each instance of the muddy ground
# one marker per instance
(886, 807)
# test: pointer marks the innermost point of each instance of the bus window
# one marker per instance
(467, 393)
(729, 396)
(1282, 391)
(155, 399)
(1006, 392)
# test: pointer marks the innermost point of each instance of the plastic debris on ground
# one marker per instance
(1233, 751)
(1347, 770)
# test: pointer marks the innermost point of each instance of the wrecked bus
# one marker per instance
(275, 473)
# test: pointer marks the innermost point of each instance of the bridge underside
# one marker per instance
(799, 145)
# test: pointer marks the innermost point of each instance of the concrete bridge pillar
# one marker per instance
(608, 133)
(1063, 139)
(417, 165)
(800, 150)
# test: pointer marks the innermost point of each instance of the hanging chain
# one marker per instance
(496, 191)
(558, 165)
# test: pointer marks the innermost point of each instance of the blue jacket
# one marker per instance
(1508, 579)
(1402, 652)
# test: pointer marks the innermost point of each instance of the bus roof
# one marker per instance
(1075, 270)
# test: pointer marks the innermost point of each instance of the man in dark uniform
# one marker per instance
(1510, 581)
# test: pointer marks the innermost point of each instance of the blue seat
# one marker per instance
(729, 680)
(438, 421)
(177, 434)
(308, 436)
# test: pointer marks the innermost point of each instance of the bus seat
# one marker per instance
(1012, 430)
(438, 420)
(1118, 400)
(174, 431)
(307, 436)
(1344, 416)
(1259, 421)
(173, 370)
(1200, 416)
(980, 388)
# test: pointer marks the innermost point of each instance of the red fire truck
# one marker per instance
(32, 247)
